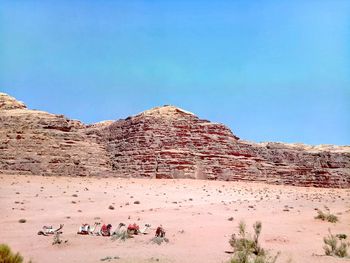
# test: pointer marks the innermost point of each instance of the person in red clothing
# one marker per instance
(160, 232)
(106, 230)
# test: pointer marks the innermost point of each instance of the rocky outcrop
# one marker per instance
(164, 142)
(8, 103)
(168, 142)
(40, 143)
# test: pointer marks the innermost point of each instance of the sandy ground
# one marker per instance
(194, 213)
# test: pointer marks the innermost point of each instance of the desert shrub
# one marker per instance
(122, 235)
(246, 249)
(159, 240)
(326, 216)
(336, 245)
(341, 236)
(56, 239)
(332, 218)
(7, 256)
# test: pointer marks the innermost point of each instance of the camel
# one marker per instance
(49, 230)
(118, 229)
(135, 229)
(93, 230)
(86, 229)
(120, 233)
(144, 230)
(105, 230)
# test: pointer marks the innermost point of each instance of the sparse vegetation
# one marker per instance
(246, 249)
(7, 256)
(159, 240)
(336, 245)
(109, 258)
(326, 216)
(56, 239)
(122, 235)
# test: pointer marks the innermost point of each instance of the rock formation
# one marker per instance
(164, 142)
(40, 143)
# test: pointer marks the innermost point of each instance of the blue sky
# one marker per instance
(269, 70)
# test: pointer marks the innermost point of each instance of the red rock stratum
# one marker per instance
(164, 142)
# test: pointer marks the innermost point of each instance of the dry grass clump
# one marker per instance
(336, 245)
(159, 240)
(122, 235)
(326, 216)
(7, 256)
(246, 249)
(57, 239)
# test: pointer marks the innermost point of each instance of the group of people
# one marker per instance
(105, 230)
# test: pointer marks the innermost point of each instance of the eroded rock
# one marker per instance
(164, 142)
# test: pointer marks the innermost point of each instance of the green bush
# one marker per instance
(7, 256)
(336, 245)
(247, 249)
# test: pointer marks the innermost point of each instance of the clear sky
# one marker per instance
(269, 70)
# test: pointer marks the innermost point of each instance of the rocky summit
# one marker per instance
(164, 142)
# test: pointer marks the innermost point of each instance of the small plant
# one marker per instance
(326, 216)
(122, 235)
(341, 236)
(56, 239)
(247, 249)
(7, 256)
(159, 240)
(336, 245)
(109, 258)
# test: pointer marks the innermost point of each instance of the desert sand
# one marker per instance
(194, 214)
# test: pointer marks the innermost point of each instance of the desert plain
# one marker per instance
(199, 217)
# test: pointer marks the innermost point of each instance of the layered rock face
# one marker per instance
(40, 143)
(164, 142)
(168, 142)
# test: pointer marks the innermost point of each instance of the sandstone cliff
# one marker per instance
(40, 143)
(164, 142)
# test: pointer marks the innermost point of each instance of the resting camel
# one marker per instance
(135, 229)
(86, 229)
(145, 229)
(118, 229)
(105, 230)
(49, 230)
(120, 233)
